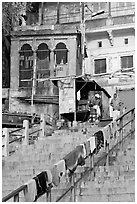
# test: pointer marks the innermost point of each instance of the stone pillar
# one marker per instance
(26, 132)
(6, 142)
(42, 126)
(52, 64)
(33, 81)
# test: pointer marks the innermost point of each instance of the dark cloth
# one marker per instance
(99, 140)
(81, 161)
(74, 158)
(41, 184)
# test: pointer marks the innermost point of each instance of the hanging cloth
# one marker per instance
(74, 158)
(58, 171)
(114, 129)
(99, 140)
(31, 191)
(84, 150)
(41, 183)
(49, 175)
(92, 144)
(87, 147)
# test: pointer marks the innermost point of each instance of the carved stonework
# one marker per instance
(110, 35)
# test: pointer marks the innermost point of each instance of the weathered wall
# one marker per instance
(45, 88)
(66, 96)
(71, 11)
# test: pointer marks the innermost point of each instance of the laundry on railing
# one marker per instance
(31, 191)
(41, 184)
(58, 171)
(73, 158)
(106, 135)
(92, 144)
(110, 130)
(87, 147)
(99, 138)
(84, 150)
(114, 129)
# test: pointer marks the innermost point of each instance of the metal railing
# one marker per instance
(27, 136)
(116, 142)
(108, 151)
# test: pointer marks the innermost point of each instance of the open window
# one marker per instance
(43, 60)
(61, 54)
(25, 66)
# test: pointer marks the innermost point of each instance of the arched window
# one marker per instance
(25, 66)
(43, 59)
(61, 54)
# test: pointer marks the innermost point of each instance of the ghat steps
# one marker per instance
(111, 183)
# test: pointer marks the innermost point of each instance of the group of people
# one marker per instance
(95, 103)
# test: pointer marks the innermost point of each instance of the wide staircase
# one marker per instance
(30, 160)
(113, 183)
(108, 176)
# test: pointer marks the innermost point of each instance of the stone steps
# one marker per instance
(114, 183)
(106, 190)
(129, 197)
(109, 182)
(30, 160)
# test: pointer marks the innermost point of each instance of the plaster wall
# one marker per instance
(112, 53)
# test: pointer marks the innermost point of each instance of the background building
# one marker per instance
(49, 44)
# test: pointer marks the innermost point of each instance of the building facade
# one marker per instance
(49, 45)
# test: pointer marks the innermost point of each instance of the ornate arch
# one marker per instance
(61, 53)
(25, 65)
(43, 60)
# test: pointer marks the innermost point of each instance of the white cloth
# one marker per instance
(106, 134)
(115, 131)
(98, 110)
(111, 111)
(58, 170)
(116, 114)
(31, 191)
(61, 167)
(114, 127)
(92, 143)
(84, 150)
(78, 95)
(49, 174)
(111, 129)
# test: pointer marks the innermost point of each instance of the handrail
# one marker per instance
(16, 139)
(16, 130)
(126, 113)
(14, 135)
(20, 136)
(14, 193)
(101, 158)
(90, 169)
(35, 131)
